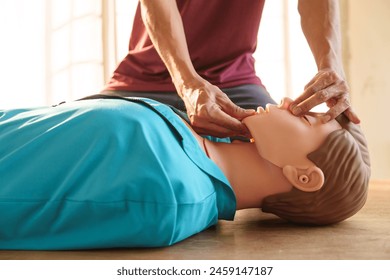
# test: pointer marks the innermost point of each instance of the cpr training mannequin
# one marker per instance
(330, 183)
(106, 173)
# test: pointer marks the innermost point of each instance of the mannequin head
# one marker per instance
(327, 164)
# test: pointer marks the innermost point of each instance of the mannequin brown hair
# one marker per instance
(344, 160)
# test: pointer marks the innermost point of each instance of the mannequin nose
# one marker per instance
(285, 103)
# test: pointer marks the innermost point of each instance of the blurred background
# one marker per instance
(58, 50)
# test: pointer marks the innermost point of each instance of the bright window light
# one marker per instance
(22, 53)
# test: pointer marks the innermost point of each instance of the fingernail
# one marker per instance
(250, 111)
(296, 111)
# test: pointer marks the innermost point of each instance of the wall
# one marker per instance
(366, 28)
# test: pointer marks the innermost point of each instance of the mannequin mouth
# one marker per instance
(260, 110)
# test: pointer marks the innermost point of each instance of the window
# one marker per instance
(74, 47)
(283, 58)
(22, 68)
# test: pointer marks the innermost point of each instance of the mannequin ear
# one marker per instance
(308, 180)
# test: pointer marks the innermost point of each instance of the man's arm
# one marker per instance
(210, 110)
(321, 26)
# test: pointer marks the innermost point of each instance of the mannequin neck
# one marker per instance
(251, 177)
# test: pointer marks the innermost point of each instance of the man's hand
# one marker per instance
(211, 112)
(327, 86)
(320, 21)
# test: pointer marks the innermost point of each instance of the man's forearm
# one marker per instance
(320, 21)
(165, 28)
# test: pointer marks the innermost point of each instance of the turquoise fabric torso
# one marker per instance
(104, 173)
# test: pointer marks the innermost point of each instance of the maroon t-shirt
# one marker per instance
(221, 37)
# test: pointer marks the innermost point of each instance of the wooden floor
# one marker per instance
(255, 235)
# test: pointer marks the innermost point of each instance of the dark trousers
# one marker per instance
(245, 96)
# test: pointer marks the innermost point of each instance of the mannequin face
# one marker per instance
(284, 139)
